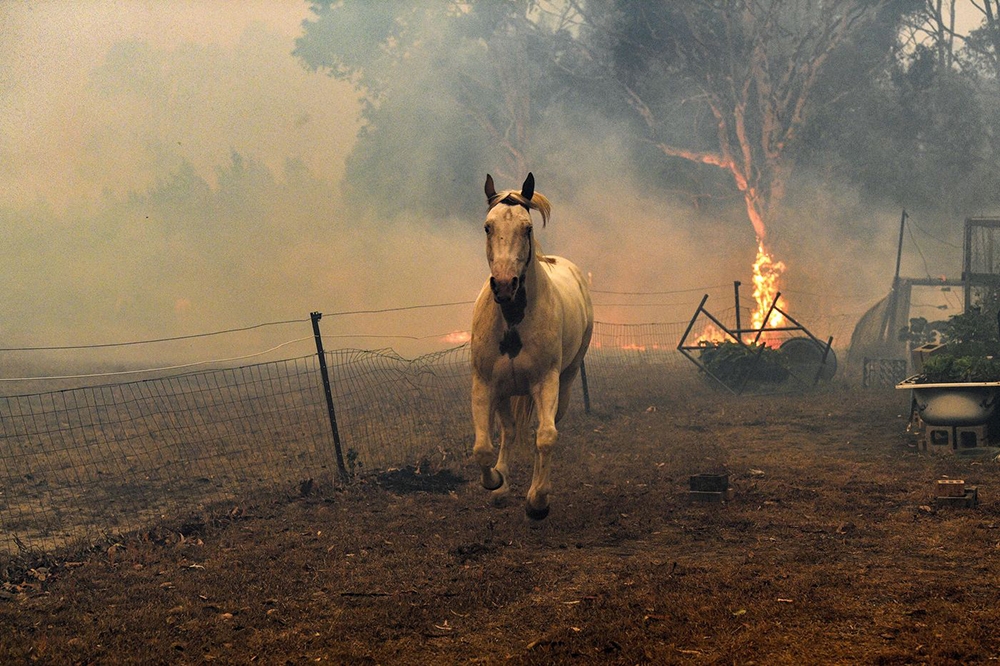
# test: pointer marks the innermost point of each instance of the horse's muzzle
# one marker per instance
(505, 290)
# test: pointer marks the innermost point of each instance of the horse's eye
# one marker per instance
(488, 228)
(530, 229)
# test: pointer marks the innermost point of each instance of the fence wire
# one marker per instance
(80, 465)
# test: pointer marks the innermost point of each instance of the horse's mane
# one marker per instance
(513, 198)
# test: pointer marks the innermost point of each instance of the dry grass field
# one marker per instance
(830, 550)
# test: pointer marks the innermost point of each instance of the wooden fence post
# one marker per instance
(316, 316)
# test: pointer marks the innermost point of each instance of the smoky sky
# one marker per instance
(171, 168)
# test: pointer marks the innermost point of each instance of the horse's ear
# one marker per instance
(491, 190)
(528, 189)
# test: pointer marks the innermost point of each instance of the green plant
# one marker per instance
(973, 348)
(947, 368)
(733, 363)
(973, 333)
(922, 332)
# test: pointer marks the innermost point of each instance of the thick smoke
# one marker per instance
(172, 170)
(167, 178)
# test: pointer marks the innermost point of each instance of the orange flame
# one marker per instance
(712, 335)
(766, 273)
(766, 276)
(456, 337)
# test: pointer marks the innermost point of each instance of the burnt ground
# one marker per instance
(831, 550)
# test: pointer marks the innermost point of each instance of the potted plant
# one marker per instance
(960, 383)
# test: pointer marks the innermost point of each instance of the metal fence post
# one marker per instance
(316, 316)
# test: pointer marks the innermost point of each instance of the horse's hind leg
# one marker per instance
(482, 422)
(565, 389)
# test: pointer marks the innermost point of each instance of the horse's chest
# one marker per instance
(518, 367)
(514, 375)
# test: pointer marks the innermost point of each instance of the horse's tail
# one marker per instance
(522, 407)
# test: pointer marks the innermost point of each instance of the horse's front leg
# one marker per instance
(482, 422)
(508, 433)
(546, 397)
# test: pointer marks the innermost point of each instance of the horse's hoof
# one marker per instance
(500, 497)
(488, 480)
(536, 514)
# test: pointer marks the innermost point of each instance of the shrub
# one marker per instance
(733, 364)
(973, 349)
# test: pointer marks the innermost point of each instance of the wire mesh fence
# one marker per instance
(79, 463)
(82, 464)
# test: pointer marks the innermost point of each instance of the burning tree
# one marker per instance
(728, 83)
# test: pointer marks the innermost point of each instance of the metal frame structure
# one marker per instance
(972, 278)
(737, 333)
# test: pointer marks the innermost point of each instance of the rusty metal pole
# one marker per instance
(328, 391)
(888, 329)
(736, 293)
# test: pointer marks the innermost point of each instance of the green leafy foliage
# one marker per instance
(922, 332)
(974, 333)
(946, 368)
(734, 364)
(973, 340)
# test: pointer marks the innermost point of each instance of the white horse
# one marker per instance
(530, 330)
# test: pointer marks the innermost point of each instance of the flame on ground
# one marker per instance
(712, 335)
(457, 337)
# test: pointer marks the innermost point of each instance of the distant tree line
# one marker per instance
(185, 248)
(714, 102)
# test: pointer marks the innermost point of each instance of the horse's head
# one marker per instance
(509, 246)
